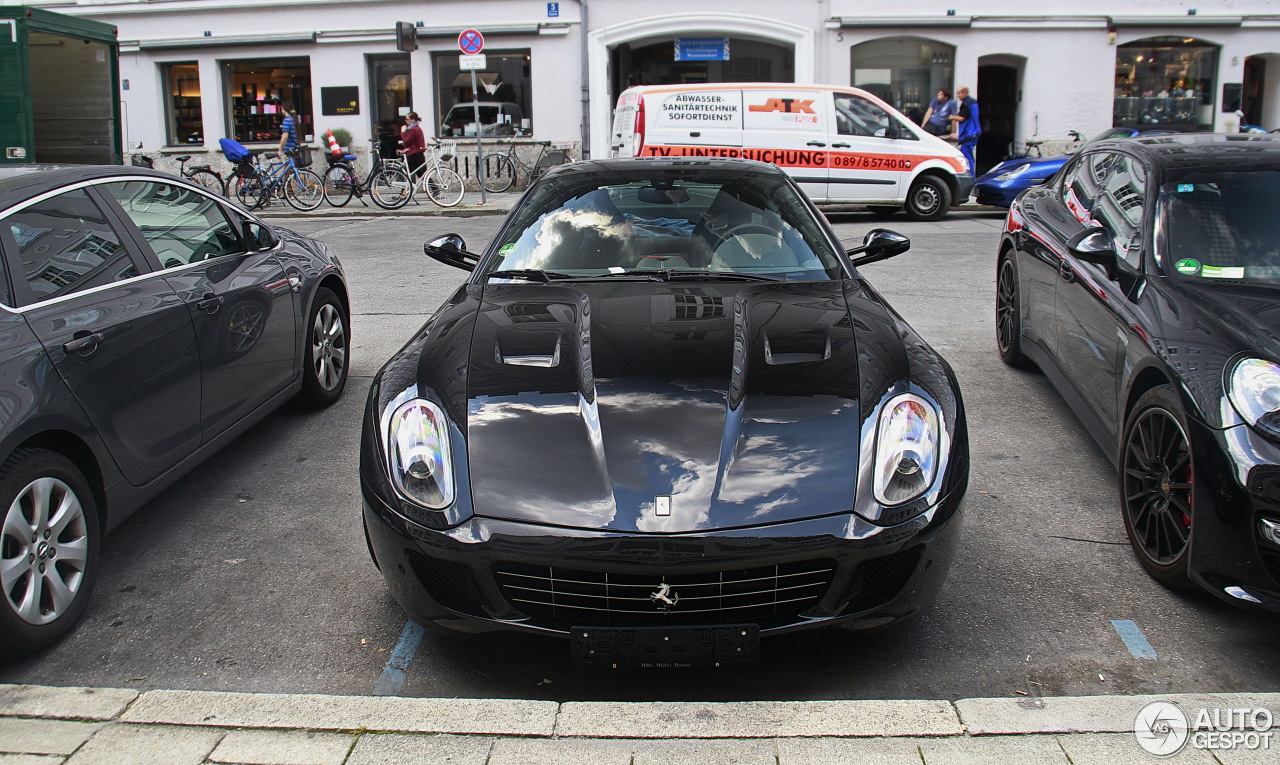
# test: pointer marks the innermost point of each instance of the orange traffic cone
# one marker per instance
(334, 149)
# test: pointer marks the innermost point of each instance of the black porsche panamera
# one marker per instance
(664, 416)
(1144, 280)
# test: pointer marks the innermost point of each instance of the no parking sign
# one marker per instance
(471, 41)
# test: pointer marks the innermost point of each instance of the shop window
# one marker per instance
(904, 71)
(185, 118)
(1166, 82)
(256, 90)
(504, 85)
(392, 91)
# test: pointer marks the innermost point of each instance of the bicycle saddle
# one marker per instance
(183, 159)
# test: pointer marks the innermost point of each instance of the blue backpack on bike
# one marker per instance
(233, 150)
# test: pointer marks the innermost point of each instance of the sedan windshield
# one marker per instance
(1224, 228)
(665, 227)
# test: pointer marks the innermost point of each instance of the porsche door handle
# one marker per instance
(84, 343)
(1066, 272)
(210, 303)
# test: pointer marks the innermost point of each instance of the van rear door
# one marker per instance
(788, 127)
(867, 159)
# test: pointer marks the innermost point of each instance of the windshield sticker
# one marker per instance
(506, 250)
(1222, 272)
(1188, 266)
(1185, 187)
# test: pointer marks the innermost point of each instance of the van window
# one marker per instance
(858, 116)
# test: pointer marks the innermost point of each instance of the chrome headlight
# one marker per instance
(418, 454)
(907, 441)
(1014, 173)
(1254, 390)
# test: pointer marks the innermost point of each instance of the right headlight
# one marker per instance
(418, 454)
(1014, 173)
(1254, 390)
(907, 442)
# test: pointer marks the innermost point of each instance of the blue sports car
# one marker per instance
(1000, 185)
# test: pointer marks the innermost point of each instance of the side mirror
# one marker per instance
(879, 244)
(451, 250)
(1094, 245)
(258, 236)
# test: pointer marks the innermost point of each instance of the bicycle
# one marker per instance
(442, 184)
(254, 184)
(202, 175)
(1033, 145)
(384, 185)
(502, 169)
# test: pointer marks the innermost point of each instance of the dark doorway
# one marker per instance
(998, 98)
(1255, 83)
(653, 63)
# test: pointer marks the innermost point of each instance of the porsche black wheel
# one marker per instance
(48, 549)
(1156, 486)
(1008, 319)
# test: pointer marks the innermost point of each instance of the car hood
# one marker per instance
(1040, 167)
(590, 403)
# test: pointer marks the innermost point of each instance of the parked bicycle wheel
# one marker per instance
(390, 188)
(209, 180)
(444, 186)
(339, 184)
(304, 190)
(499, 173)
(248, 192)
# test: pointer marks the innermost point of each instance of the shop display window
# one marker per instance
(504, 88)
(904, 71)
(1166, 82)
(255, 90)
(185, 120)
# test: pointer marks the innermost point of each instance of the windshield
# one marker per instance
(748, 225)
(1224, 228)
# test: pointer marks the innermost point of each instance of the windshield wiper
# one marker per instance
(528, 274)
(733, 276)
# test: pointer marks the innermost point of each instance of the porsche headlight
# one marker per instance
(906, 449)
(1254, 390)
(1014, 173)
(418, 454)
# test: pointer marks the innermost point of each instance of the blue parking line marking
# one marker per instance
(394, 674)
(1133, 638)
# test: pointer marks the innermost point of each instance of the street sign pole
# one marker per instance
(471, 42)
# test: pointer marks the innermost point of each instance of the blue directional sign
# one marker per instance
(470, 42)
(553, 10)
(702, 49)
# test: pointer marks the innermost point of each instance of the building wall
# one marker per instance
(1067, 82)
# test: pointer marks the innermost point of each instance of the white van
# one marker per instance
(842, 145)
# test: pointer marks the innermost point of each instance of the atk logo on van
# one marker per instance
(796, 110)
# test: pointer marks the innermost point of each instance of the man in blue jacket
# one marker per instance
(966, 127)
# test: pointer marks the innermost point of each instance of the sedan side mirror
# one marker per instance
(1094, 245)
(258, 236)
(451, 250)
(879, 244)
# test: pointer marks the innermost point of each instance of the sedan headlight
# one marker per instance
(1014, 173)
(418, 454)
(1254, 390)
(906, 449)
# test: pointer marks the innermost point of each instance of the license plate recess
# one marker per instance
(735, 645)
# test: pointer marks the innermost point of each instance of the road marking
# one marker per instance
(393, 675)
(1133, 639)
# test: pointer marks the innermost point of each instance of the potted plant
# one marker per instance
(342, 136)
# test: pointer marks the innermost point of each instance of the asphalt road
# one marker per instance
(251, 574)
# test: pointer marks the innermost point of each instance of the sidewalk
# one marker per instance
(42, 725)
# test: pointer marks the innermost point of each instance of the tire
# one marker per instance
(248, 192)
(1008, 314)
(48, 549)
(1157, 482)
(304, 191)
(444, 186)
(499, 173)
(390, 189)
(339, 184)
(884, 211)
(325, 357)
(209, 180)
(930, 198)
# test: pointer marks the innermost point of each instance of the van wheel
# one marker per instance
(884, 211)
(930, 198)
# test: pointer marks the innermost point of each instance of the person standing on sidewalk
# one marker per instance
(288, 128)
(966, 126)
(415, 144)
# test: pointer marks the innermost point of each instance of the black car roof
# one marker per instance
(1187, 153)
(20, 182)
(642, 165)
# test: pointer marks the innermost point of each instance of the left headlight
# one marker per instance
(418, 454)
(907, 440)
(1014, 173)
(1254, 390)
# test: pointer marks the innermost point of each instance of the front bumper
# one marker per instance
(964, 187)
(488, 574)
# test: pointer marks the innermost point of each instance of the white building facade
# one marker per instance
(194, 71)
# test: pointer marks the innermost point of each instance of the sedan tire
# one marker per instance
(324, 361)
(48, 549)
(1156, 486)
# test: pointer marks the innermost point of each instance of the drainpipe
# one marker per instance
(586, 83)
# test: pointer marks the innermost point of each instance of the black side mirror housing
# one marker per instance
(451, 250)
(879, 244)
(1095, 245)
(258, 236)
